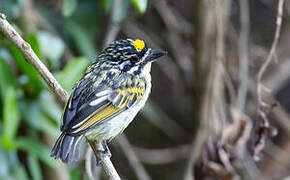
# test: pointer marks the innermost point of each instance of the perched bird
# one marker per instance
(107, 98)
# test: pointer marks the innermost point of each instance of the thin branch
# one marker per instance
(264, 128)
(114, 23)
(275, 167)
(164, 155)
(59, 92)
(132, 158)
(272, 51)
(165, 123)
(93, 172)
(172, 20)
(243, 53)
(89, 163)
(205, 33)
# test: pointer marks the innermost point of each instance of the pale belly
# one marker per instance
(111, 128)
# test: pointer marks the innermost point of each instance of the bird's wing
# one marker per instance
(90, 104)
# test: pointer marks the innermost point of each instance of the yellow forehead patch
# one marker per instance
(138, 44)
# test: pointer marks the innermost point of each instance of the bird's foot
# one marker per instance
(102, 154)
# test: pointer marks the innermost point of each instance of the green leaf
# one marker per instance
(9, 160)
(8, 143)
(33, 41)
(34, 167)
(49, 106)
(5, 54)
(4, 165)
(36, 119)
(72, 72)
(25, 67)
(75, 173)
(83, 42)
(34, 84)
(140, 5)
(11, 8)
(106, 4)
(7, 77)
(11, 117)
(4, 170)
(34, 147)
(51, 46)
(121, 11)
(20, 173)
(68, 7)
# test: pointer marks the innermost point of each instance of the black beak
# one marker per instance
(153, 55)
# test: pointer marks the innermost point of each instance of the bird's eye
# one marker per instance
(134, 59)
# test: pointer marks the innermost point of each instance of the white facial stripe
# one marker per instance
(123, 64)
(145, 55)
(133, 69)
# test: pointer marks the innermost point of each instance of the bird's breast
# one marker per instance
(111, 128)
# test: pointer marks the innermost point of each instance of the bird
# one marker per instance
(106, 99)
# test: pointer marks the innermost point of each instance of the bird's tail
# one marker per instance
(67, 148)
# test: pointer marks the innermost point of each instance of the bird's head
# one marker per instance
(130, 55)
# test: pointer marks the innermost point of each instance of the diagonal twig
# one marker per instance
(58, 91)
(264, 128)
(32, 58)
(243, 53)
(272, 51)
(133, 158)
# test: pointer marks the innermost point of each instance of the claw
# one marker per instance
(107, 150)
(101, 157)
(102, 154)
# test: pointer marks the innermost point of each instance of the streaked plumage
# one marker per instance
(107, 98)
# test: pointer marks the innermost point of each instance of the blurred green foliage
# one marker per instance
(65, 42)
(140, 5)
